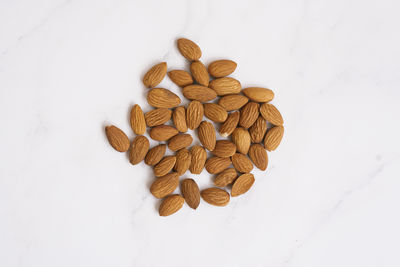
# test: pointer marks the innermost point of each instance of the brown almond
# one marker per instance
(225, 178)
(273, 138)
(138, 123)
(165, 185)
(216, 164)
(226, 86)
(191, 192)
(170, 205)
(233, 102)
(224, 149)
(199, 92)
(180, 77)
(242, 163)
(164, 166)
(180, 141)
(155, 75)
(207, 135)
(215, 112)
(242, 184)
(258, 129)
(199, 157)
(189, 49)
(259, 156)
(155, 154)
(259, 94)
(117, 138)
(139, 148)
(215, 196)
(200, 73)
(249, 114)
(162, 98)
(163, 132)
(179, 119)
(230, 124)
(221, 68)
(183, 160)
(242, 140)
(157, 116)
(194, 114)
(271, 114)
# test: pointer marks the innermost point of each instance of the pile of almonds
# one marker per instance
(246, 116)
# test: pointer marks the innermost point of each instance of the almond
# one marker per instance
(241, 138)
(215, 196)
(249, 114)
(259, 94)
(155, 75)
(170, 205)
(271, 114)
(179, 119)
(139, 148)
(138, 123)
(259, 156)
(157, 116)
(233, 102)
(165, 185)
(242, 184)
(164, 166)
(273, 138)
(199, 157)
(207, 135)
(230, 124)
(162, 98)
(258, 129)
(183, 160)
(200, 73)
(163, 132)
(242, 163)
(191, 192)
(215, 112)
(225, 178)
(180, 77)
(221, 68)
(155, 154)
(117, 138)
(180, 141)
(216, 164)
(199, 92)
(189, 49)
(226, 86)
(224, 149)
(194, 114)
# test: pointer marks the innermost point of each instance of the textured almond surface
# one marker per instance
(259, 94)
(163, 132)
(224, 149)
(225, 178)
(191, 193)
(155, 154)
(137, 121)
(271, 114)
(200, 73)
(162, 98)
(199, 157)
(249, 114)
(164, 166)
(242, 163)
(242, 140)
(215, 196)
(170, 205)
(179, 119)
(189, 49)
(273, 138)
(183, 160)
(233, 102)
(258, 129)
(157, 116)
(206, 133)
(216, 164)
(165, 185)
(194, 114)
(215, 112)
(259, 156)
(117, 138)
(180, 141)
(221, 68)
(199, 92)
(226, 86)
(180, 77)
(230, 124)
(242, 184)
(139, 148)
(155, 75)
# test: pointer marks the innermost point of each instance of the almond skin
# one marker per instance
(215, 112)
(271, 114)
(155, 75)
(165, 185)
(249, 114)
(259, 94)
(273, 138)
(233, 102)
(189, 49)
(225, 178)
(139, 148)
(191, 192)
(215, 196)
(242, 163)
(179, 119)
(258, 129)
(207, 136)
(194, 114)
(117, 138)
(230, 124)
(242, 184)
(259, 156)
(155, 154)
(200, 73)
(180, 77)
(163, 132)
(242, 140)
(183, 160)
(199, 157)
(180, 141)
(137, 120)
(226, 86)
(199, 92)
(157, 116)
(164, 166)
(216, 164)
(224, 149)
(221, 68)
(162, 98)
(170, 205)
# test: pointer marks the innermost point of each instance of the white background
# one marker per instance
(330, 195)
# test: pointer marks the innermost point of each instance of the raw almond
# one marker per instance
(194, 114)
(200, 73)
(259, 94)
(155, 75)
(241, 138)
(224, 149)
(225, 178)
(233, 102)
(180, 77)
(163, 132)
(179, 119)
(199, 157)
(139, 148)
(242, 163)
(162, 98)
(170, 205)
(157, 116)
(271, 114)
(183, 160)
(216, 164)
(242, 184)
(189, 49)
(207, 135)
(138, 123)
(191, 193)
(117, 138)
(164, 166)
(249, 114)
(199, 92)
(230, 124)
(259, 156)
(180, 141)
(226, 86)
(273, 138)
(221, 68)
(155, 154)
(215, 112)
(165, 185)
(258, 129)
(215, 196)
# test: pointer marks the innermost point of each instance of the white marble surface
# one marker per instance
(330, 196)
